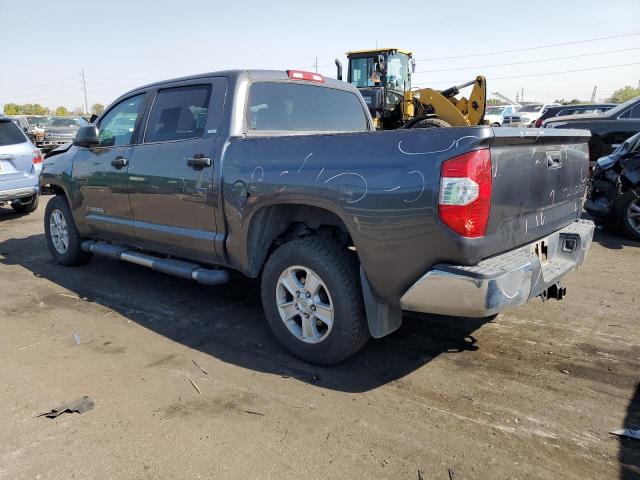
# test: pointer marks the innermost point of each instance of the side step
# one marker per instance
(171, 266)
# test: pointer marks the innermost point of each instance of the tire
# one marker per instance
(58, 216)
(495, 124)
(630, 216)
(338, 275)
(430, 123)
(26, 208)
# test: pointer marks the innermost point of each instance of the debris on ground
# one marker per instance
(199, 367)
(194, 384)
(82, 405)
(626, 432)
(254, 413)
(76, 337)
(566, 372)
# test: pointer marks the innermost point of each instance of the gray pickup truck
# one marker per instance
(280, 175)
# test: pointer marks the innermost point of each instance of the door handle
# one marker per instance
(199, 161)
(119, 162)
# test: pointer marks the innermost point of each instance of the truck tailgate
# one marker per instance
(538, 184)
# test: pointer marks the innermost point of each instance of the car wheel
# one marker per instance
(313, 301)
(63, 239)
(430, 123)
(495, 124)
(26, 207)
(630, 219)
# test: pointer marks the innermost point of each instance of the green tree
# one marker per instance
(40, 110)
(11, 109)
(493, 102)
(623, 94)
(62, 111)
(574, 101)
(97, 108)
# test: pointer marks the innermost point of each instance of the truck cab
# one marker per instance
(382, 76)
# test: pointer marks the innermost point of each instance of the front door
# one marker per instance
(101, 173)
(173, 172)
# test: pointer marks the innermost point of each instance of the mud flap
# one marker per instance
(382, 318)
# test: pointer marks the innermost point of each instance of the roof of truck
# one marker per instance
(376, 50)
(254, 75)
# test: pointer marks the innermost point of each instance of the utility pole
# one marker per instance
(517, 97)
(84, 89)
(316, 64)
(593, 94)
(522, 95)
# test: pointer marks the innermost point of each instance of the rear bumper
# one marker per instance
(500, 282)
(14, 194)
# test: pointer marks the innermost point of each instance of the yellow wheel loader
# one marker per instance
(383, 77)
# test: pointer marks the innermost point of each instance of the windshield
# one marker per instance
(363, 72)
(530, 108)
(494, 110)
(397, 73)
(38, 121)
(68, 122)
(614, 112)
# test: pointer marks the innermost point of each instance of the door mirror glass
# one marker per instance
(87, 136)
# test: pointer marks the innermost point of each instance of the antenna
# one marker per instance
(84, 89)
(593, 94)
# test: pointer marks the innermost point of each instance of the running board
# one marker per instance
(171, 266)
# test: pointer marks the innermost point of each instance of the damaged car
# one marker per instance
(61, 130)
(614, 190)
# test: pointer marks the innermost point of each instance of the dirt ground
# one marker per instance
(532, 394)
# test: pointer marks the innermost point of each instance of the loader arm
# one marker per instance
(457, 112)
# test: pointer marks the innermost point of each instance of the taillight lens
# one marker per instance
(538, 122)
(300, 75)
(37, 156)
(465, 193)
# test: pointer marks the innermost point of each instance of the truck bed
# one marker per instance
(385, 186)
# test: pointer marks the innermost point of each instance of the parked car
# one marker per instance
(494, 115)
(580, 109)
(281, 175)
(528, 114)
(20, 166)
(608, 130)
(61, 130)
(33, 125)
(614, 188)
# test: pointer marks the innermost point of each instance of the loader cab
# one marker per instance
(382, 76)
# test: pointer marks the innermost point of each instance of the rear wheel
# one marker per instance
(63, 239)
(313, 302)
(430, 123)
(29, 206)
(630, 219)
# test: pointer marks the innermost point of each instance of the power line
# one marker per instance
(529, 48)
(529, 61)
(545, 74)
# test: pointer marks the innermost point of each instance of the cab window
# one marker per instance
(178, 113)
(304, 108)
(117, 126)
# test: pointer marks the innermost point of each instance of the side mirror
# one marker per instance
(87, 136)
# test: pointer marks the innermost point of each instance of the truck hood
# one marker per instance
(576, 118)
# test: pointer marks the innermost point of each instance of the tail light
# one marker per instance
(37, 156)
(300, 75)
(539, 122)
(465, 193)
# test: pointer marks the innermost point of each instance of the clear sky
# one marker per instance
(122, 44)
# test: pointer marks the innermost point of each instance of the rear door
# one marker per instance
(100, 173)
(16, 153)
(173, 175)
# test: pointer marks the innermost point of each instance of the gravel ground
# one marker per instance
(532, 394)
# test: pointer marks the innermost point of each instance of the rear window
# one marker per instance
(304, 108)
(10, 134)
